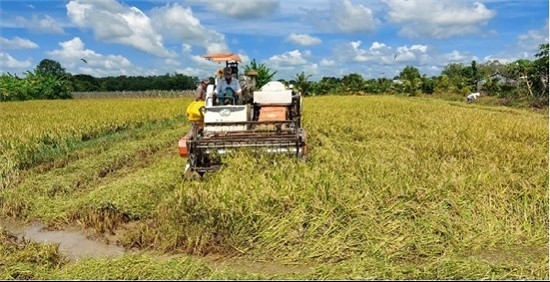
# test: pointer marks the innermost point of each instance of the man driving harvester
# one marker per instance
(228, 91)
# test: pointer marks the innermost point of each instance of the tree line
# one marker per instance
(49, 80)
(521, 79)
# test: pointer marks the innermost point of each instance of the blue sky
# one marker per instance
(375, 38)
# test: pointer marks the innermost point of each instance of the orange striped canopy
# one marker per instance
(222, 57)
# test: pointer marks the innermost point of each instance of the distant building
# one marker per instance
(500, 79)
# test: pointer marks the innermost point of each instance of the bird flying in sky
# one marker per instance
(84, 61)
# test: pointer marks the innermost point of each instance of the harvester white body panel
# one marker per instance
(273, 93)
(282, 97)
(209, 95)
(230, 114)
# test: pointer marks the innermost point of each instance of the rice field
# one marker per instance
(393, 188)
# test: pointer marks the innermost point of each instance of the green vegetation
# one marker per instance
(47, 81)
(265, 74)
(522, 82)
(394, 188)
(33, 87)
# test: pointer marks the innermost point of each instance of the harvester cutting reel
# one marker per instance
(206, 148)
(271, 130)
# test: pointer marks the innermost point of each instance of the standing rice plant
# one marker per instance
(393, 188)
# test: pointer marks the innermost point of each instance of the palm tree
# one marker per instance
(265, 74)
(302, 83)
(411, 80)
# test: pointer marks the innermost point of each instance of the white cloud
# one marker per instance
(8, 62)
(17, 43)
(377, 46)
(186, 48)
(204, 67)
(355, 44)
(174, 31)
(244, 9)
(327, 63)
(312, 69)
(379, 54)
(303, 39)
(419, 48)
(438, 18)
(171, 62)
(456, 56)
(526, 46)
(43, 25)
(416, 53)
(245, 58)
(345, 17)
(178, 23)
(73, 51)
(533, 38)
(291, 58)
(379, 49)
(360, 55)
(501, 60)
(288, 64)
(352, 52)
(192, 72)
(354, 18)
(115, 23)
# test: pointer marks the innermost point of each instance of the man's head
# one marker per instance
(227, 73)
(205, 81)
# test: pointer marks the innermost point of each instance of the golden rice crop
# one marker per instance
(30, 128)
(393, 188)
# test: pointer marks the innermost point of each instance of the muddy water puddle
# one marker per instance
(73, 244)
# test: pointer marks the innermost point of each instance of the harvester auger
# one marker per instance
(268, 120)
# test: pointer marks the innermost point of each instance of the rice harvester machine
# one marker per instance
(267, 120)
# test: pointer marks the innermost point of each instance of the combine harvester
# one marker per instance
(268, 120)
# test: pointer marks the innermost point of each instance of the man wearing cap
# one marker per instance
(228, 86)
(200, 93)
